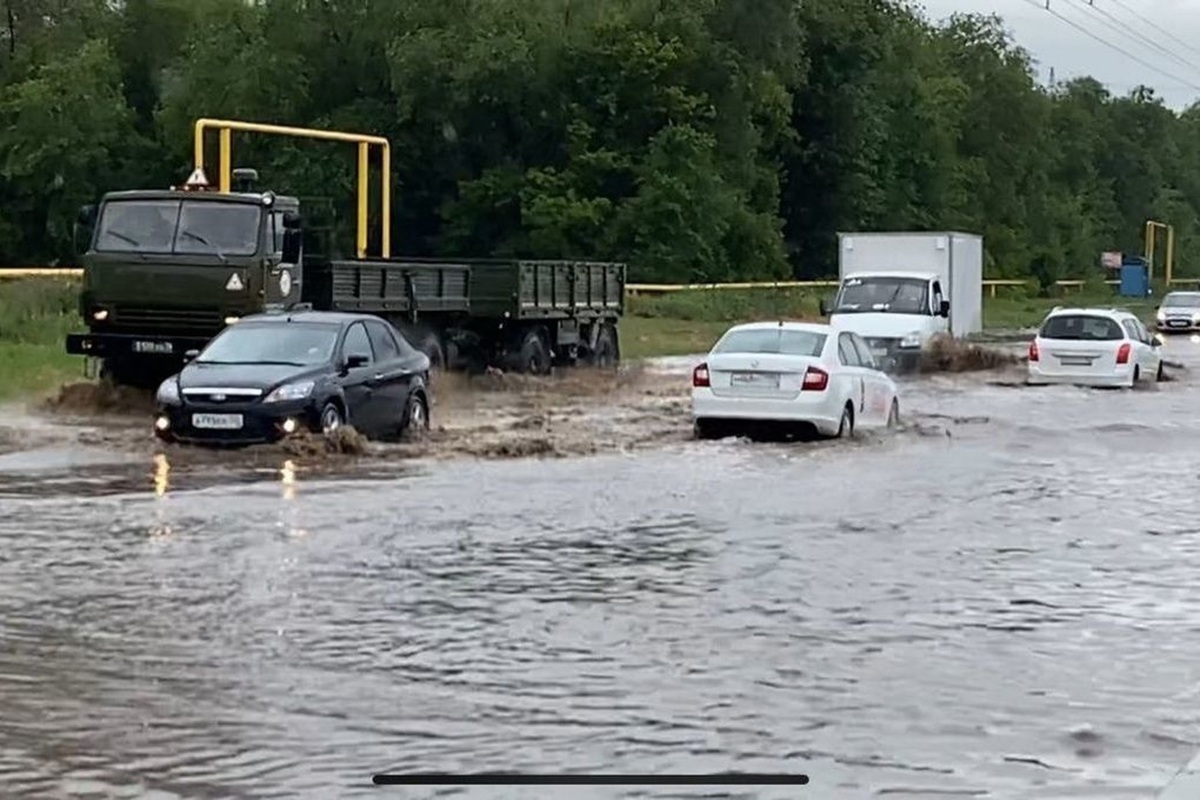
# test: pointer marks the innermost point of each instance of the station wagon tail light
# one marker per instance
(1033, 351)
(700, 377)
(815, 380)
(1123, 354)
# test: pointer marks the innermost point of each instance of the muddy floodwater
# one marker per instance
(998, 601)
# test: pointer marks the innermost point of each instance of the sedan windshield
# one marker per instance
(1082, 327)
(179, 227)
(772, 340)
(300, 344)
(886, 295)
(1181, 300)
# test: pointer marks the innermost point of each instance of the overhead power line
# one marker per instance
(1092, 35)
(1122, 28)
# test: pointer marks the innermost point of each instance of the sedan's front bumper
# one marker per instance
(260, 423)
(1177, 325)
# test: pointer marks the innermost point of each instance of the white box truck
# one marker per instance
(899, 290)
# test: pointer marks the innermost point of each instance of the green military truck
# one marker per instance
(166, 270)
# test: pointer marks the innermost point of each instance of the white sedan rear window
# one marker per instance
(1082, 327)
(772, 340)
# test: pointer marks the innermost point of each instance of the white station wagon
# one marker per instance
(809, 374)
(1094, 347)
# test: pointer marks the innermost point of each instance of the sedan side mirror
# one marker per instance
(944, 310)
(356, 361)
(190, 355)
(1156, 341)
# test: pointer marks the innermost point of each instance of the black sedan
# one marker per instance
(269, 375)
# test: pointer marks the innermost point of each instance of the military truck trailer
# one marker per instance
(166, 270)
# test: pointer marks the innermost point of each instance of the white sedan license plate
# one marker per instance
(764, 379)
(153, 347)
(219, 422)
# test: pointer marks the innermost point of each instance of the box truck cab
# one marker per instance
(897, 313)
(899, 290)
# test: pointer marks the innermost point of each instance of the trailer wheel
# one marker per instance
(608, 352)
(535, 355)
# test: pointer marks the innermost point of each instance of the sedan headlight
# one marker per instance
(290, 391)
(168, 391)
(1161, 315)
(912, 340)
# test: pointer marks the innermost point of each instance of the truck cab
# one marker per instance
(897, 313)
(166, 270)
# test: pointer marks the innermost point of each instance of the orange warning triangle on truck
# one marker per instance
(197, 180)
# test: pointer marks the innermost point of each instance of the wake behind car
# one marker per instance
(1094, 347)
(272, 374)
(795, 373)
(1179, 312)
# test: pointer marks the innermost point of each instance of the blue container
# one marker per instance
(1135, 278)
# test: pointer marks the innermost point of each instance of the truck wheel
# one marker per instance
(431, 345)
(535, 355)
(607, 353)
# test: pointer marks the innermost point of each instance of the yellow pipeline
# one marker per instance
(364, 141)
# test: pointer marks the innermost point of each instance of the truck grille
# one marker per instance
(166, 320)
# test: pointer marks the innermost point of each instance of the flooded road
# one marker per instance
(995, 602)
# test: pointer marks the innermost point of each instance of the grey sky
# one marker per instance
(1053, 42)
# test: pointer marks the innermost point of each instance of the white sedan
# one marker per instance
(791, 372)
(1094, 347)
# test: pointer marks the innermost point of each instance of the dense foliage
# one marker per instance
(697, 139)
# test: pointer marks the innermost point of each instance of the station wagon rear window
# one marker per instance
(1081, 327)
(772, 340)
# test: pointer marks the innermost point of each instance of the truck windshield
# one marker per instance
(883, 294)
(178, 227)
(297, 343)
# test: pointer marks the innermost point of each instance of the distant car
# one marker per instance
(272, 374)
(1179, 312)
(806, 374)
(1094, 347)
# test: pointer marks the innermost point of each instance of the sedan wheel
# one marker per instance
(893, 420)
(416, 417)
(331, 418)
(846, 426)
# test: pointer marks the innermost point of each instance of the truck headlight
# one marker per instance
(168, 392)
(912, 340)
(290, 391)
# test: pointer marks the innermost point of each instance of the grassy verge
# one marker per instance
(679, 323)
(35, 317)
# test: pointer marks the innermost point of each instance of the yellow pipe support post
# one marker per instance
(364, 175)
(225, 126)
(1170, 253)
(385, 179)
(226, 160)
